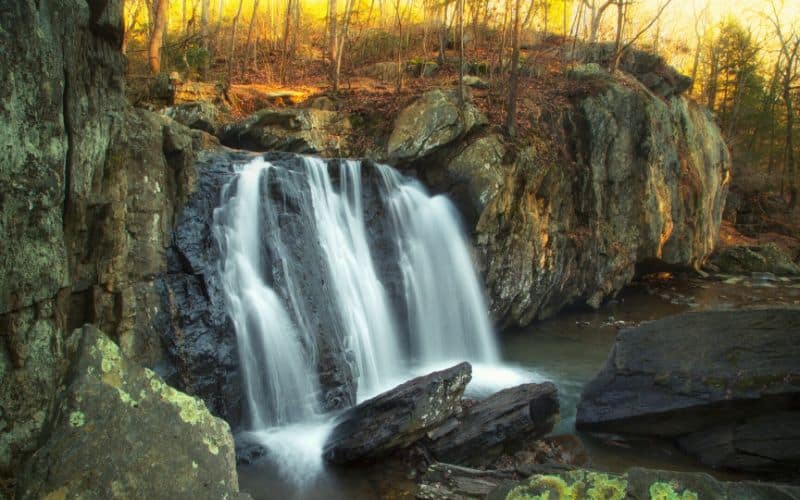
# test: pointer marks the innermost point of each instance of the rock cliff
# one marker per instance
(620, 177)
(90, 190)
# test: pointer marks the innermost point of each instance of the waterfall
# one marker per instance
(448, 317)
(313, 277)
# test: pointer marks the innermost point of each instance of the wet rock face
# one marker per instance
(638, 179)
(724, 384)
(399, 417)
(507, 421)
(198, 333)
(167, 443)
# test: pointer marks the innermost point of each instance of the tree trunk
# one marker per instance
(339, 48)
(285, 52)
(511, 109)
(232, 47)
(247, 46)
(204, 8)
(157, 38)
(332, 42)
(461, 53)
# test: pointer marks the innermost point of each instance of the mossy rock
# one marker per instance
(120, 431)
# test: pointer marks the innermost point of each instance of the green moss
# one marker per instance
(668, 491)
(77, 419)
(575, 485)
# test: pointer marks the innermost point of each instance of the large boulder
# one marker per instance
(119, 431)
(434, 120)
(616, 178)
(742, 259)
(399, 417)
(724, 384)
(650, 69)
(296, 130)
(199, 115)
(502, 423)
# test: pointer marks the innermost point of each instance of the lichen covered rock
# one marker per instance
(296, 130)
(434, 120)
(119, 431)
(623, 178)
(767, 258)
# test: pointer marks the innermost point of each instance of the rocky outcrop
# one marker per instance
(505, 422)
(399, 417)
(741, 259)
(432, 121)
(650, 69)
(724, 384)
(296, 130)
(620, 177)
(90, 189)
(110, 403)
(199, 115)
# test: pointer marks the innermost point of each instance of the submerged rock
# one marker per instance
(504, 422)
(296, 130)
(434, 120)
(120, 431)
(399, 417)
(724, 384)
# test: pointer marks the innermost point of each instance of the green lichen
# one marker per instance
(574, 485)
(212, 446)
(668, 491)
(77, 419)
(191, 410)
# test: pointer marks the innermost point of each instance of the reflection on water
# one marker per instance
(568, 350)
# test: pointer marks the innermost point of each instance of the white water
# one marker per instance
(446, 323)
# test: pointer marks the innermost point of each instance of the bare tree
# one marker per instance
(204, 10)
(249, 44)
(790, 51)
(134, 19)
(338, 47)
(157, 36)
(622, 10)
(460, 7)
(596, 8)
(700, 27)
(232, 46)
(513, 88)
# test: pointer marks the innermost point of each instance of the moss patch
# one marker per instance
(571, 485)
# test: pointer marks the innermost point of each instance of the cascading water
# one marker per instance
(299, 271)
